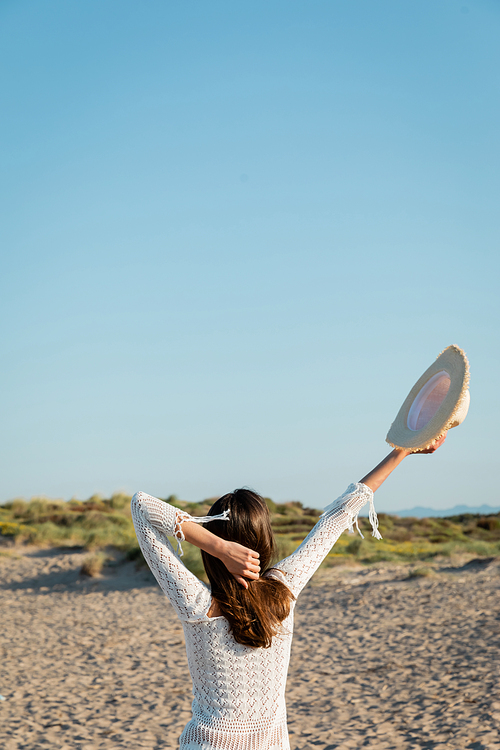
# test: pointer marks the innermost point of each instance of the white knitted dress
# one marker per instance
(239, 691)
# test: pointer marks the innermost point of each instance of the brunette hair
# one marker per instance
(256, 613)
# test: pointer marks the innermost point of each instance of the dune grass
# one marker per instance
(93, 565)
(100, 523)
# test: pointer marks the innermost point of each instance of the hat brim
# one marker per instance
(451, 411)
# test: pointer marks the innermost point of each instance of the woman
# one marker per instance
(239, 632)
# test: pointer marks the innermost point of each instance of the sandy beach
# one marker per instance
(380, 659)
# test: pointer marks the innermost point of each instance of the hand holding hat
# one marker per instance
(435, 445)
(438, 401)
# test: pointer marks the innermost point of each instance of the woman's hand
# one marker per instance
(241, 562)
(435, 445)
(375, 478)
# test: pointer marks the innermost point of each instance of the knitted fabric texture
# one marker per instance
(238, 691)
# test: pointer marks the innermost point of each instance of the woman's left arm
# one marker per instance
(379, 474)
(340, 515)
(296, 569)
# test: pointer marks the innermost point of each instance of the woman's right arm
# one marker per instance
(241, 562)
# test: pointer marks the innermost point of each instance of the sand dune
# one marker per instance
(380, 660)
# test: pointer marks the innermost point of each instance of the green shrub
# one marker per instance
(272, 506)
(93, 565)
(119, 501)
(192, 560)
(421, 572)
(354, 547)
(98, 523)
(18, 531)
(285, 546)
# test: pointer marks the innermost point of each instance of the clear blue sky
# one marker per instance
(234, 234)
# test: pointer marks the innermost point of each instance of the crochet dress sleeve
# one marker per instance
(154, 520)
(296, 570)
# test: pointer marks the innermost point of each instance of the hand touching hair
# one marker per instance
(254, 614)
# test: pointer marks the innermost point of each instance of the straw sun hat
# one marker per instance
(438, 401)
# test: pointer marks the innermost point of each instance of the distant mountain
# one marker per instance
(420, 512)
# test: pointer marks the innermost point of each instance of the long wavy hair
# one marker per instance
(254, 614)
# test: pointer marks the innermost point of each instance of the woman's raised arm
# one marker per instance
(379, 474)
(241, 562)
(298, 567)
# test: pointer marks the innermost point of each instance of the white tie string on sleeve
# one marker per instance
(372, 515)
(182, 517)
(352, 514)
(374, 520)
(206, 519)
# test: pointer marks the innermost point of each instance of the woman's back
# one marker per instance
(239, 690)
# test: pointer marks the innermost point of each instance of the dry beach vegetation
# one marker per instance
(100, 524)
(396, 642)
